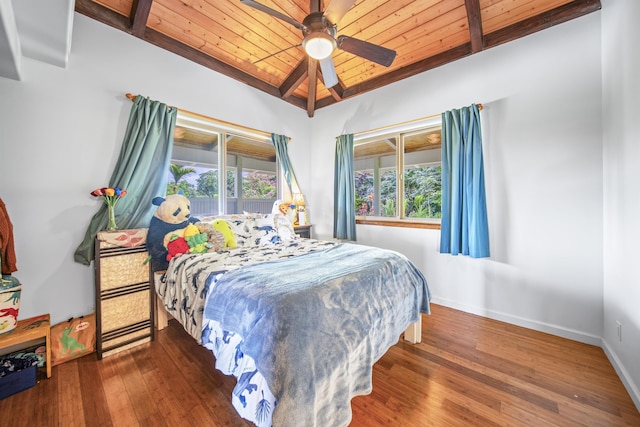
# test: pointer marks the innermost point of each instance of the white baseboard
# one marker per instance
(521, 321)
(628, 383)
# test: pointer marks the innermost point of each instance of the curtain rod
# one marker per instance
(221, 123)
(408, 122)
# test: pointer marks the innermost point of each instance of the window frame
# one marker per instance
(400, 132)
(224, 130)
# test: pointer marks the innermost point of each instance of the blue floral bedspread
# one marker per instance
(300, 325)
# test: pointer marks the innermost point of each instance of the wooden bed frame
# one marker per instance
(412, 334)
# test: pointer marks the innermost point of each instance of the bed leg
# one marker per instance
(161, 319)
(413, 333)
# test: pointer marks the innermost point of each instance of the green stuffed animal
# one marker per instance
(224, 227)
(196, 240)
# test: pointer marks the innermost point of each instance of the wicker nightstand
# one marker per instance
(125, 297)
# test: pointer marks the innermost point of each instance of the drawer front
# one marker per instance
(123, 311)
(126, 269)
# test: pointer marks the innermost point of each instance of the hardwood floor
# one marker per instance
(468, 371)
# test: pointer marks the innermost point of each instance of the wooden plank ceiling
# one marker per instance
(266, 53)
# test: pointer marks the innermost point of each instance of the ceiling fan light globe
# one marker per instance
(319, 45)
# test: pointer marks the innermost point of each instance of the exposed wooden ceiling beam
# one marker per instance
(402, 73)
(564, 13)
(337, 91)
(139, 15)
(294, 79)
(102, 14)
(313, 81)
(475, 24)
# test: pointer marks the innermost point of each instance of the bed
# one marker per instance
(298, 322)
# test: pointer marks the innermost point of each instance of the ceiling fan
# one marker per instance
(319, 30)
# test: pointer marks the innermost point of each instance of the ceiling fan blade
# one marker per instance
(274, 13)
(336, 10)
(372, 52)
(329, 75)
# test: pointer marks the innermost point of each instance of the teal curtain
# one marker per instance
(344, 214)
(141, 169)
(464, 229)
(280, 143)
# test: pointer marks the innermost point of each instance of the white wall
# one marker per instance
(543, 167)
(61, 134)
(621, 112)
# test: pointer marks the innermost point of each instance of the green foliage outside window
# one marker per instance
(255, 185)
(259, 185)
(207, 184)
(179, 182)
(422, 193)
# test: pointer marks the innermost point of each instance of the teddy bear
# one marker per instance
(172, 215)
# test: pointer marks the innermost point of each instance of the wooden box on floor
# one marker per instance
(124, 295)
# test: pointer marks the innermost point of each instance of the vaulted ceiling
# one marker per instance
(265, 52)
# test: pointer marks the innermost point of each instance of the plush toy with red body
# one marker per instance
(177, 246)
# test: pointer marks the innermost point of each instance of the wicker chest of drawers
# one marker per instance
(124, 294)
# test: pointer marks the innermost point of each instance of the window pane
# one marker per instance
(255, 162)
(375, 177)
(364, 193)
(194, 170)
(389, 193)
(423, 192)
(422, 174)
(222, 168)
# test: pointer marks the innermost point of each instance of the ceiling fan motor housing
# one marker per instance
(317, 25)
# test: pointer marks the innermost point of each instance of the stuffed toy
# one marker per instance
(171, 217)
(224, 227)
(196, 240)
(215, 239)
(177, 246)
(283, 208)
(276, 208)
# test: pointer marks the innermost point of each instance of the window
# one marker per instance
(412, 148)
(211, 158)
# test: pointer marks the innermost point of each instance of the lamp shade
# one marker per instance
(319, 45)
(298, 199)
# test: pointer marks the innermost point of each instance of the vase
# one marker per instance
(111, 226)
